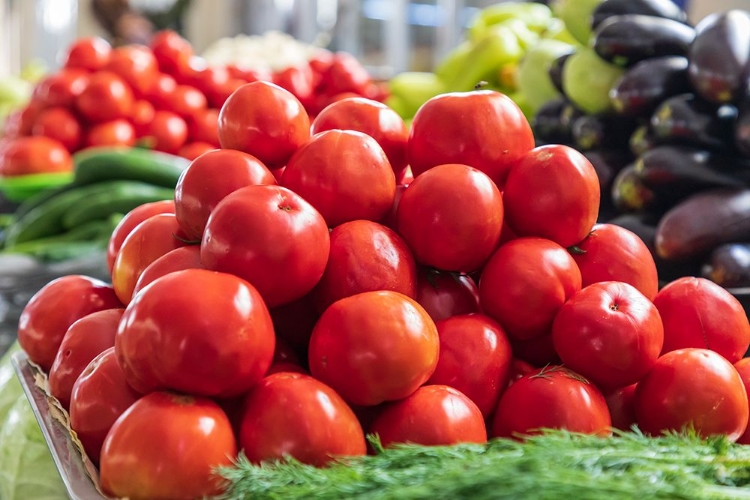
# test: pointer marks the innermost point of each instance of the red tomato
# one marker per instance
(130, 221)
(112, 133)
(61, 88)
(143, 115)
(197, 332)
(372, 118)
(292, 414)
(264, 120)
(148, 241)
(482, 128)
(218, 95)
(621, 404)
(136, 64)
(187, 101)
(475, 358)
(100, 395)
(168, 132)
(433, 415)
(190, 72)
(59, 124)
(85, 339)
(249, 74)
(446, 294)
(538, 351)
(390, 218)
(374, 347)
(552, 397)
(365, 256)
(610, 333)
(697, 312)
(188, 257)
(294, 323)
(193, 435)
(553, 193)
(743, 368)
(299, 80)
(208, 180)
(518, 369)
(34, 155)
(193, 150)
(203, 126)
(50, 312)
(171, 51)
(90, 53)
(451, 203)
(282, 249)
(161, 91)
(612, 253)
(692, 387)
(525, 283)
(346, 74)
(507, 234)
(212, 81)
(106, 97)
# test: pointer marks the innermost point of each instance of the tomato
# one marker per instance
(170, 50)
(190, 73)
(507, 234)
(130, 221)
(346, 74)
(609, 333)
(188, 257)
(390, 218)
(148, 241)
(621, 404)
(211, 81)
(61, 88)
(294, 323)
(264, 120)
(203, 126)
(85, 339)
(538, 351)
(374, 347)
(136, 64)
(90, 53)
(743, 368)
(475, 358)
(193, 150)
(168, 132)
(194, 437)
(34, 155)
(525, 283)
(47, 316)
(519, 368)
(111, 133)
(552, 397)
(372, 118)
(186, 101)
(553, 193)
(159, 94)
(208, 180)
(483, 129)
(283, 247)
(106, 97)
(299, 80)
(612, 253)
(433, 415)
(692, 387)
(455, 203)
(59, 124)
(99, 396)
(197, 332)
(697, 312)
(249, 74)
(365, 256)
(446, 294)
(292, 414)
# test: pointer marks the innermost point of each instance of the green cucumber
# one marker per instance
(109, 163)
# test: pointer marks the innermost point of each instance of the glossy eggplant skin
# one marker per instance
(553, 122)
(555, 71)
(641, 140)
(630, 195)
(627, 39)
(602, 131)
(690, 120)
(742, 128)
(720, 56)
(655, 8)
(729, 265)
(644, 86)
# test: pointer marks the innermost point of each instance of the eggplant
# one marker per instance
(644, 86)
(641, 140)
(602, 131)
(720, 56)
(688, 119)
(729, 265)
(666, 9)
(553, 122)
(742, 128)
(627, 39)
(556, 71)
(608, 163)
(630, 195)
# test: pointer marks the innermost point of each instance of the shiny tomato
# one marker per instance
(455, 203)
(144, 454)
(61, 88)
(167, 132)
(483, 129)
(475, 358)
(34, 155)
(374, 347)
(100, 395)
(621, 404)
(433, 415)
(111, 133)
(130, 221)
(208, 180)
(106, 97)
(694, 388)
(160, 92)
(85, 339)
(612, 253)
(610, 333)
(519, 368)
(193, 150)
(136, 64)
(188, 257)
(178, 331)
(446, 294)
(365, 256)
(344, 174)
(212, 81)
(50, 312)
(90, 53)
(372, 118)
(187, 101)
(218, 95)
(292, 414)
(697, 312)
(61, 125)
(142, 116)
(203, 126)
(552, 397)
(283, 247)
(171, 51)
(264, 120)
(20, 122)
(743, 368)
(553, 193)
(525, 283)
(299, 80)
(346, 74)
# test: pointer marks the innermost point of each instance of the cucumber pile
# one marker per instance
(78, 218)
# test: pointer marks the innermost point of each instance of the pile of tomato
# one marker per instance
(315, 282)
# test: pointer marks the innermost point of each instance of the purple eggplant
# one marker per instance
(644, 86)
(690, 120)
(666, 9)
